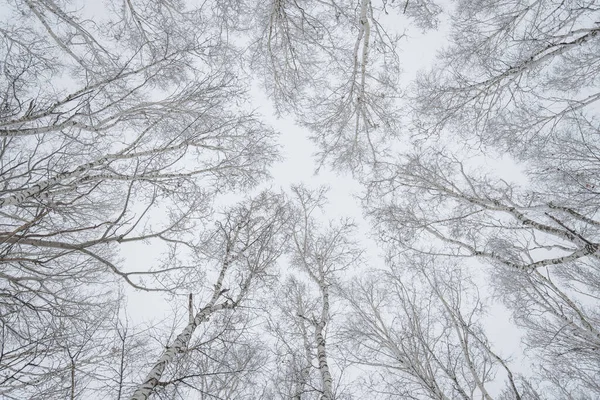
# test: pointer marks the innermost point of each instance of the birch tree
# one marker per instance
(225, 358)
(307, 361)
(416, 330)
(124, 356)
(520, 75)
(289, 42)
(119, 126)
(514, 80)
(294, 372)
(320, 255)
(242, 249)
(335, 67)
(153, 122)
(355, 114)
(54, 356)
(543, 254)
(114, 130)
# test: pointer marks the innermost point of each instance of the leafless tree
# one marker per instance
(416, 329)
(519, 75)
(290, 41)
(226, 359)
(51, 354)
(354, 114)
(242, 249)
(335, 65)
(301, 323)
(120, 126)
(544, 253)
(115, 128)
(124, 356)
(294, 374)
(516, 79)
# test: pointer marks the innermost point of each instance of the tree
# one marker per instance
(514, 80)
(544, 254)
(121, 127)
(335, 66)
(416, 329)
(114, 130)
(125, 355)
(519, 75)
(49, 354)
(295, 374)
(243, 248)
(302, 321)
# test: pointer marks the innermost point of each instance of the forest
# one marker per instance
(147, 252)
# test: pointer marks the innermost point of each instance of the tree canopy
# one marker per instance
(135, 125)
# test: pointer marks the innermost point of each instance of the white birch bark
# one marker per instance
(326, 379)
(182, 340)
(179, 346)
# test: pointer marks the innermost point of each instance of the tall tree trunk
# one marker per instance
(323, 365)
(179, 346)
